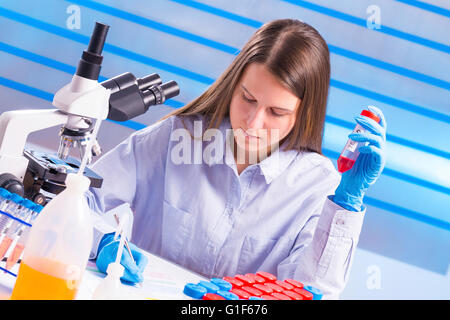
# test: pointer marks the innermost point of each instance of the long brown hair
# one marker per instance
(298, 56)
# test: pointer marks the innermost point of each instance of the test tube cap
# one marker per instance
(295, 283)
(28, 204)
(5, 193)
(16, 198)
(266, 275)
(227, 295)
(212, 296)
(317, 293)
(222, 284)
(209, 286)
(194, 290)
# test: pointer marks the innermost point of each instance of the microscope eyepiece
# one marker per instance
(98, 38)
(149, 81)
(91, 60)
(131, 97)
(160, 93)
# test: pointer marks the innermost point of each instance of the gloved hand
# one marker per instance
(369, 165)
(107, 252)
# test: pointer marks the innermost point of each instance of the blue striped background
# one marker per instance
(402, 68)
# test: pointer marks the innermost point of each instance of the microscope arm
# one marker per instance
(15, 126)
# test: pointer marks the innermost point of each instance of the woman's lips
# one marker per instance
(247, 135)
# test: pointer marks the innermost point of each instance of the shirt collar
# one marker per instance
(271, 167)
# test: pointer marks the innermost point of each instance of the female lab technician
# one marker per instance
(288, 212)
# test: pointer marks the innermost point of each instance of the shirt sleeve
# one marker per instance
(323, 252)
(124, 170)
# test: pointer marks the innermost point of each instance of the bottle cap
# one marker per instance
(227, 295)
(194, 290)
(38, 208)
(256, 278)
(284, 285)
(293, 295)
(77, 182)
(240, 293)
(317, 293)
(295, 283)
(263, 288)
(304, 293)
(234, 282)
(115, 269)
(266, 275)
(370, 115)
(274, 287)
(212, 296)
(253, 291)
(209, 286)
(246, 280)
(280, 296)
(222, 284)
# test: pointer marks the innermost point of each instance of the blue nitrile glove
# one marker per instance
(369, 165)
(107, 252)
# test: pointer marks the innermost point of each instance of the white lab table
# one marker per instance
(163, 280)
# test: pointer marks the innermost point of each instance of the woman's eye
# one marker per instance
(275, 113)
(247, 99)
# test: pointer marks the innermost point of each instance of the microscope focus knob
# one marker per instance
(11, 183)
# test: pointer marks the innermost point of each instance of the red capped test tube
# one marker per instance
(350, 153)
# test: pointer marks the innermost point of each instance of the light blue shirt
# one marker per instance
(275, 216)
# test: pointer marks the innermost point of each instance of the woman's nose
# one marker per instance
(256, 119)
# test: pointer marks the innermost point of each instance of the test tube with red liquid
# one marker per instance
(350, 153)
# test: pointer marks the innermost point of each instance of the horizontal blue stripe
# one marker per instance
(221, 13)
(155, 25)
(157, 64)
(392, 138)
(110, 48)
(398, 175)
(130, 55)
(176, 104)
(362, 23)
(37, 58)
(390, 67)
(59, 66)
(407, 213)
(26, 89)
(329, 153)
(427, 7)
(253, 23)
(391, 101)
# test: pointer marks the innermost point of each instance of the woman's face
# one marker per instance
(262, 110)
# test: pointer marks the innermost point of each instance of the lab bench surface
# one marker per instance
(163, 280)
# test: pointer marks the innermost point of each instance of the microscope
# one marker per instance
(79, 104)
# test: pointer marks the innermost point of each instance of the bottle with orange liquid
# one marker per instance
(57, 250)
(350, 153)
